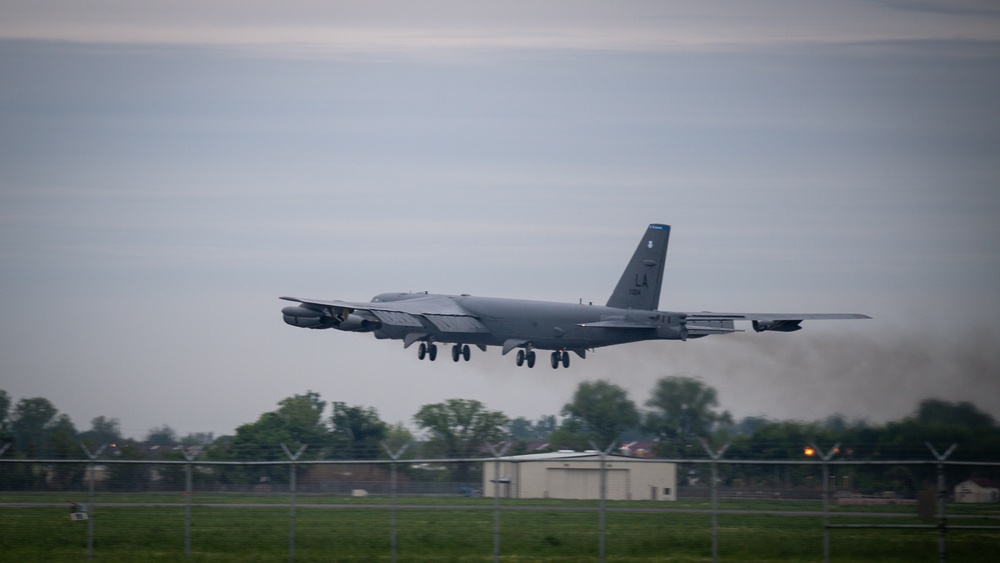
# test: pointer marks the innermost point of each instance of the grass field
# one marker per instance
(151, 528)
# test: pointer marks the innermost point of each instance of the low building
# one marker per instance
(977, 491)
(577, 475)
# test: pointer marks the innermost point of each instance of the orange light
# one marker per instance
(809, 451)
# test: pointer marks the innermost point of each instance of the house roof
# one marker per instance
(985, 482)
(567, 454)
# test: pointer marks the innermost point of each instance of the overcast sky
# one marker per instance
(168, 170)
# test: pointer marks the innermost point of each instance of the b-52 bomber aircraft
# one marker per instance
(630, 315)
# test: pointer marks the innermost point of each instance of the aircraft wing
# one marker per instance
(439, 310)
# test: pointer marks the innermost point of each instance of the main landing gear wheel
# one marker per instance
(428, 350)
(528, 356)
(560, 356)
(460, 351)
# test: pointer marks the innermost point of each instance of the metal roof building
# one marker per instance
(577, 475)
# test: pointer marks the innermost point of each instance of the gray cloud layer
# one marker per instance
(157, 196)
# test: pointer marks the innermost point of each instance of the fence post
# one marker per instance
(601, 519)
(189, 492)
(90, 499)
(826, 496)
(291, 510)
(496, 496)
(392, 484)
(715, 494)
(942, 493)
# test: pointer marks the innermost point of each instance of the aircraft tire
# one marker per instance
(466, 352)
(422, 351)
(565, 359)
(555, 360)
(456, 350)
(432, 352)
(520, 358)
(531, 359)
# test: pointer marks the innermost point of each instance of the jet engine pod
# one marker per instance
(673, 331)
(778, 326)
(306, 318)
(354, 323)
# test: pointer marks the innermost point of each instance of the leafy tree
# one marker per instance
(397, 436)
(521, 429)
(935, 412)
(545, 425)
(30, 423)
(61, 443)
(460, 427)
(298, 421)
(102, 431)
(197, 439)
(357, 430)
(683, 410)
(4, 413)
(162, 436)
(572, 434)
(604, 409)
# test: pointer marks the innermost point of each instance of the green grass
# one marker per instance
(464, 533)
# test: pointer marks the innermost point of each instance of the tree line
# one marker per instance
(680, 413)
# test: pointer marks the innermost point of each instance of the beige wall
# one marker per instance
(580, 479)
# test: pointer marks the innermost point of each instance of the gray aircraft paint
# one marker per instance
(630, 315)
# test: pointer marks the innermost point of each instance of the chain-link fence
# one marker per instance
(560, 506)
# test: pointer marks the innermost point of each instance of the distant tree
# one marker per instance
(545, 425)
(397, 436)
(521, 429)
(163, 436)
(197, 439)
(935, 412)
(4, 414)
(749, 424)
(298, 421)
(30, 422)
(604, 409)
(572, 434)
(357, 431)
(61, 443)
(683, 411)
(460, 427)
(103, 431)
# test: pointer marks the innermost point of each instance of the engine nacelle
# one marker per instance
(675, 329)
(789, 325)
(354, 323)
(305, 317)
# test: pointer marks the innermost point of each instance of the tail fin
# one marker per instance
(639, 287)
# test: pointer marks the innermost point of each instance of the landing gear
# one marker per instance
(528, 356)
(427, 350)
(460, 351)
(560, 356)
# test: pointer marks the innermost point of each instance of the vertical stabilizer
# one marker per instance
(639, 287)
